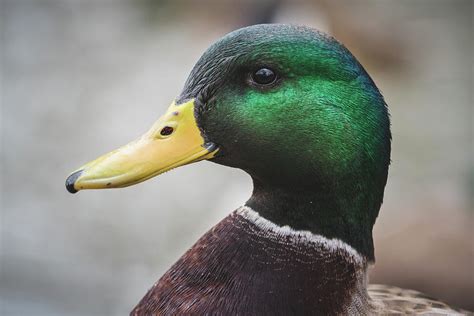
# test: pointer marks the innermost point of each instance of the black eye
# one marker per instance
(264, 76)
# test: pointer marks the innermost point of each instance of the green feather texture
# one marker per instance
(316, 142)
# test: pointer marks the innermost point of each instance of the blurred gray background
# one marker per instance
(80, 78)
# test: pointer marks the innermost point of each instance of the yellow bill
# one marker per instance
(174, 140)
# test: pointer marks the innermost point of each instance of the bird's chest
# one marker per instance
(237, 269)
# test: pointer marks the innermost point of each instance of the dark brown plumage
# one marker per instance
(246, 265)
(238, 268)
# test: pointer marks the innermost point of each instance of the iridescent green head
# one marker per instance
(293, 108)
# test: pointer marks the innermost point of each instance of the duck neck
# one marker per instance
(318, 210)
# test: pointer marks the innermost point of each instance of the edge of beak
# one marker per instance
(71, 180)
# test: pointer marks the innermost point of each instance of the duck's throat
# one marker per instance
(342, 214)
(248, 265)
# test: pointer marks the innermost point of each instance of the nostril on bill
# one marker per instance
(167, 130)
(71, 180)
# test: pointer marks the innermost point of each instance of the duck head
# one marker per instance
(290, 106)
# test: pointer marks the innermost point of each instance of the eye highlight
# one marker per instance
(264, 76)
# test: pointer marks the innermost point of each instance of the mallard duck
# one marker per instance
(294, 109)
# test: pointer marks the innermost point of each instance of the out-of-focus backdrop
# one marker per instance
(80, 78)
